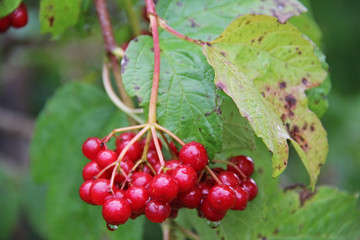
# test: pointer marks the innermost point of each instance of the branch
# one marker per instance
(112, 50)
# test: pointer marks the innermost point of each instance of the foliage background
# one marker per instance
(32, 66)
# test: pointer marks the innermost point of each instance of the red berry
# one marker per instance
(4, 24)
(92, 169)
(141, 179)
(191, 199)
(105, 158)
(116, 211)
(194, 154)
(153, 157)
(242, 198)
(91, 147)
(174, 213)
(229, 178)
(185, 176)
(204, 188)
(126, 167)
(171, 165)
(124, 137)
(157, 211)
(250, 186)
(134, 151)
(210, 213)
(163, 187)
(100, 189)
(19, 17)
(138, 197)
(221, 197)
(244, 163)
(84, 191)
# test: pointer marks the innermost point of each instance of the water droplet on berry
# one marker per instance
(111, 227)
(213, 225)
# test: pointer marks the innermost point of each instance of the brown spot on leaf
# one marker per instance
(260, 39)
(193, 23)
(305, 126)
(247, 22)
(221, 86)
(51, 20)
(305, 195)
(260, 170)
(290, 101)
(276, 231)
(223, 53)
(304, 81)
(282, 85)
(252, 40)
(312, 128)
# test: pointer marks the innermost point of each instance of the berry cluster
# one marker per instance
(17, 19)
(140, 185)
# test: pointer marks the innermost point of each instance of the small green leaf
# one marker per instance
(8, 6)
(187, 100)
(203, 19)
(57, 15)
(76, 111)
(237, 132)
(265, 67)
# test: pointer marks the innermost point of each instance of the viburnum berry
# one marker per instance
(191, 199)
(19, 18)
(195, 155)
(92, 169)
(157, 211)
(134, 151)
(138, 197)
(141, 179)
(124, 137)
(250, 186)
(99, 190)
(171, 165)
(221, 197)
(242, 198)
(244, 163)
(91, 147)
(106, 157)
(126, 166)
(84, 191)
(185, 177)
(4, 24)
(229, 178)
(116, 211)
(210, 213)
(163, 187)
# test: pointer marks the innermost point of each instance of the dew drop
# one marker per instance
(213, 225)
(111, 227)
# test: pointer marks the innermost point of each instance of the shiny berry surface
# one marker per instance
(138, 197)
(100, 189)
(84, 191)
(244, 163)
(209, 213)
(185, 176)
(141, 179)
(171, 165)
(163, 187)
(157, 211)
(242, 198)
(191, 199)
(91, 147)
(250, 186)
(105, 158)
(4, 24)
(195, 155)
(92, 169)
(116, 211)
(134, 151)
(221, 197)
(229, 178)
(19, 18)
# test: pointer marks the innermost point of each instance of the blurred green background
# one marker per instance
(33, 65)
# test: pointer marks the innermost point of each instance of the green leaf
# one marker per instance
(277, 214)
(187, 103)
(10, 203)
(237, 132)
(57, 15)
(265, 67)
(76, 112)
(8, 6)
(203, 19)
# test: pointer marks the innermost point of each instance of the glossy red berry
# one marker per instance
(242, 198)
(209, 213)
(105, 158)
(116, 211)
(124, 137)
(157, 211)
(221, 197)
(153, 157)
(19, 18)
(4, 24)
(195, 155)
(250, 186)
(138, 197)
(92, 169)
(91, 147)
(134, 151)
(100, 189)
(84, 191)
(185, 176)
(163, 187)
(244, 163)
(126, 167)
(141, 179)
(191, 199)
(171, 165)
(151, 145)
(204, 188)
(229, 178)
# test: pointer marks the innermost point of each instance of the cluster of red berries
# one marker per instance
(17, 19)
(142, 187)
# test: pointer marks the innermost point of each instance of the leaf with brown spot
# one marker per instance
(250, 68)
